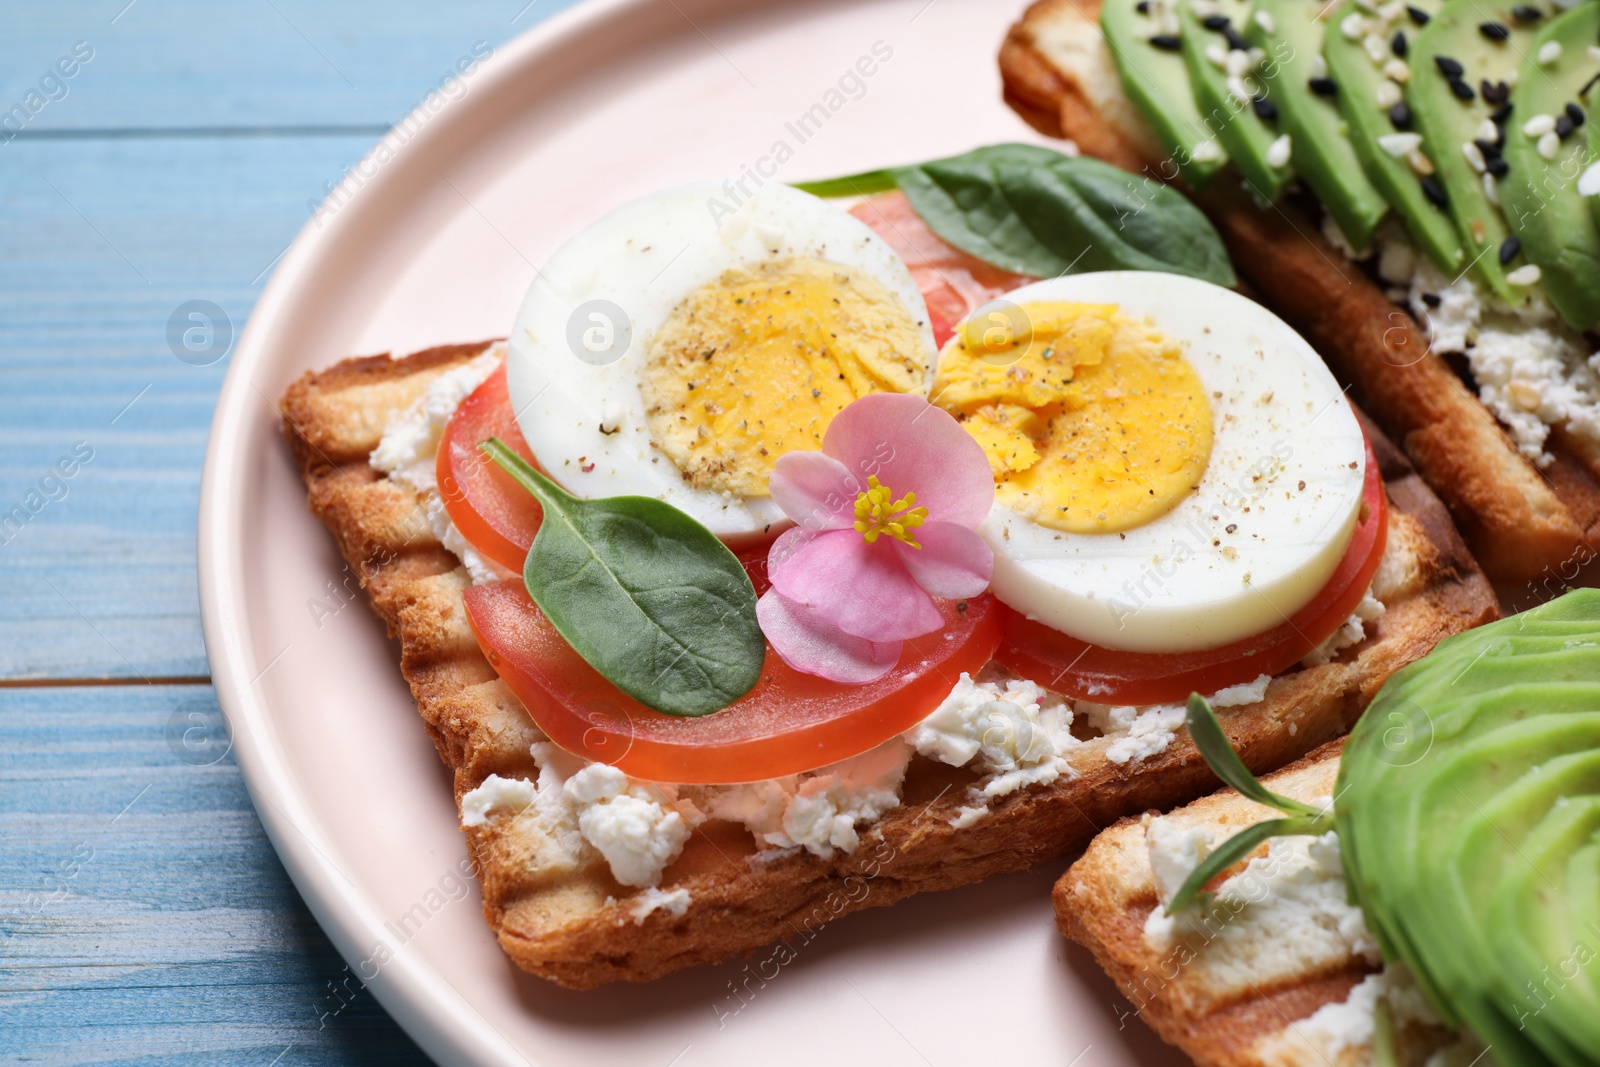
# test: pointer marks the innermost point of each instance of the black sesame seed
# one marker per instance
(1142, 7)
(1323, 86)
(1564, 126)
(1524, 13)
(1450, 68)
(1266, 110)
(1494, 92)
(1497, 166)
(1499, 115)
(1398, 45)
(1509, 249)
(1575, 113)
(1495, 31)
(1462, 90)
(1400, 116)
(1433, 300)
(1215, 22)
(1490, 149)
(1434, 191)
(1167, 42)
(1235, 39)
(1418, 16)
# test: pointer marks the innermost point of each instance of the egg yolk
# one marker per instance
(758, 362)
(1093, 422)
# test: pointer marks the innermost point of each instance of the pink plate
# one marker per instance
(435, 241)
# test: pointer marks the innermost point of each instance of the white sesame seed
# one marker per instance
(1265, 21)
(1376, 47)
(1319, 66)
(1589, 181)
(1419, 162)
(1525, 276)
(1397, 70)
(1491, 190)
(1278, 152)
(1389, 95)
(1399, 145)
(1474, 156)
(1256, 56)
(1487, 131)
(1539, 125)
(1594, 52)
(1206, 152)
(1170, 24)
(1512, 76)
(1549, 52)
(1204, 9)
(1549, 145)
(1218, 55)
(1239, 90)
(1237, 64)
(1353, 26)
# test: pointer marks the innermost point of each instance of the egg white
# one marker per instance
(586, 423)
(1278, 419)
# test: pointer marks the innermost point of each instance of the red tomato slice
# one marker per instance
(1089, 672)
(953, 283)
(496, 515)
(790, 722)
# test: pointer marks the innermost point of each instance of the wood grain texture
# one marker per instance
(144, 917)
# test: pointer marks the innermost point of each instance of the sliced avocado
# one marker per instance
(1290, 34)
(1222, 72)
(1540, 196)
(1463, 772)
(1358, 82)
(1591, 104)
(1155, 79)
(1453, 59)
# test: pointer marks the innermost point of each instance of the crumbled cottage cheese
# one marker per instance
(411, 443)
(1352, 632)
(675, 902)
(1142, 732)
(1532, 370)
(1285, 909)
(1351, 1024)
(1010, 731)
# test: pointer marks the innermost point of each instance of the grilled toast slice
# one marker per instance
(1221, 995)
(1523, 524)
(564, 917)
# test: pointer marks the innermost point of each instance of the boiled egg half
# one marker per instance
(676, 348)
(1176, 469)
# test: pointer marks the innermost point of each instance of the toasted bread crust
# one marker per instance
(1520, 522)
(576, 926)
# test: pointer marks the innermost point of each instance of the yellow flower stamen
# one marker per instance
(878, 514)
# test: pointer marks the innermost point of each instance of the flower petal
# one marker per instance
(809, 644)
(862, 589)
(913, 446)
(953, 561)
(815, 490)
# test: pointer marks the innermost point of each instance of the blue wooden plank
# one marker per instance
(104, 240)
(143, 915)
(187, 63)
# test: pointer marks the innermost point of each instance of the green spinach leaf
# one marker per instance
(1032, 210)
(644, 593)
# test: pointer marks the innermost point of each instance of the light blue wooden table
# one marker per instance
(155, 152)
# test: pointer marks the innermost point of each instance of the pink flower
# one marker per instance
(886, 520)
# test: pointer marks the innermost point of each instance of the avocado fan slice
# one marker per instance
(1223, 74)
(1591, 105)
(1528, 939)
(1471, 768)
(1453, 61)
(1290, 33)
(1358, 83)
(1539, 196)
(1155, 79)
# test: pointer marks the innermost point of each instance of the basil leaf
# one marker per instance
(1235, 849)
(1226, 764)
(645, 594)
(1035, 211)
(872, 181)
